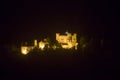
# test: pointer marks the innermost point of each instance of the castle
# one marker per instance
(67, 41)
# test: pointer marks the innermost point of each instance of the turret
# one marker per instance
(35, 43)
(57, 36)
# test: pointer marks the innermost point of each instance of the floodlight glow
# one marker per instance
(67, 41)
(42, 45)
(24, 50)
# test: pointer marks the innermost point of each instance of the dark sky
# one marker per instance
(27, 19)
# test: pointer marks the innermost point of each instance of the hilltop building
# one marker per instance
(66, 41)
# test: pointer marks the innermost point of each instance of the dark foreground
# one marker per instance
(65, 65)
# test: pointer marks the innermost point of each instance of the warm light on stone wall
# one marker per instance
(41, 45)
(35, 43)
(66, 41)
(69, 40)
(24, 50)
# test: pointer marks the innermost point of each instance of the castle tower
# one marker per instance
(69, 37)
(74, 37)
(35, 43)
(41, 45)
(57, 36)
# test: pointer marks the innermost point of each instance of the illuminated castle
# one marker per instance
(66, 41)
(40, 45)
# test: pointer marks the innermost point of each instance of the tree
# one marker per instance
(83, 42)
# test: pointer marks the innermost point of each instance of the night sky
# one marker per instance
(32, 19)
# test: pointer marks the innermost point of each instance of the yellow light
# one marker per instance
(69, 39)
(76, 46)
(65, 46)
(24, 50)
(41, 45)
(35, 43)
(70, 45)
